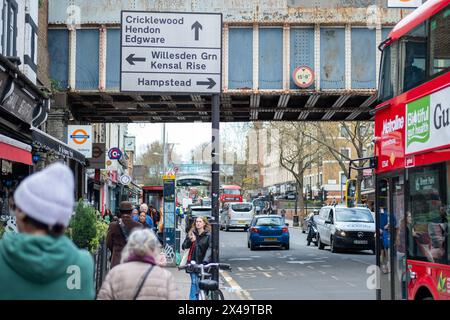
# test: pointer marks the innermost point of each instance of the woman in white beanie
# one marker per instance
(40, 262)
(139, 276)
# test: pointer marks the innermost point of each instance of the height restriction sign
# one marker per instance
(171, 52)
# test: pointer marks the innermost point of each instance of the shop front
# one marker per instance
(22, 106)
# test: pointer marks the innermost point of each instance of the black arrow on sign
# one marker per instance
(196, 26)
(131, 59)
(211, 83)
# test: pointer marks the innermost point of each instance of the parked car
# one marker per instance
(196, 211)
(237, 215)
(268, 230)
(291, 196)
(345, 228)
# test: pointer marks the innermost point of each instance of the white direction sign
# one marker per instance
(171, 52)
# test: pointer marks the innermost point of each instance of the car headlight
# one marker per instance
(340, 233)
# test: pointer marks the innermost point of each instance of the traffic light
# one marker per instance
(373, 162)
(310, 194)
(350, 193)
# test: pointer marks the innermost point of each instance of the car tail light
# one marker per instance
(254, 230)
(285, 229)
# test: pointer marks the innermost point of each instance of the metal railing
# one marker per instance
(101, 264)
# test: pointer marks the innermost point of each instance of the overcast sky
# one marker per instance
(186, 136)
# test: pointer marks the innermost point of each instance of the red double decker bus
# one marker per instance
(412, 146)
(230, 193)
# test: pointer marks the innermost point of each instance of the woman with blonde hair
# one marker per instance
(198, 241)
(139, 276)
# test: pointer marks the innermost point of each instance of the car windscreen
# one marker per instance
(242, 207)
(269, 221)
(353, 215)
(201, 212)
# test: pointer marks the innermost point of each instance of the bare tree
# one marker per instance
(357, 133)
(297, 152)
(153, 159)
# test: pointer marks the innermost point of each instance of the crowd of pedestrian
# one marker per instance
(41, 262)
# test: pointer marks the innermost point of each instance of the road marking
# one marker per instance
(243, 294)
(269, 268)
(261, 289)
(335, 278)
(350, 284)
(304, 261)
(322, 272)
(326, 266)
(310, 267)
(267, 274)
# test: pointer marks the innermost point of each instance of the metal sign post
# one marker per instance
(169, 242)
(215, 105)
(171, 52)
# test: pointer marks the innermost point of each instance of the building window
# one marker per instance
(10, 28)
(342, 178)
(343, 133)
(345, 154)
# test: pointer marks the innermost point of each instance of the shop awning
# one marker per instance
(45, 140)
(13, 150)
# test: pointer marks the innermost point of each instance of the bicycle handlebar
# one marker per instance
(197, 267)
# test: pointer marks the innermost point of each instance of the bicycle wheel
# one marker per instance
(217, 295)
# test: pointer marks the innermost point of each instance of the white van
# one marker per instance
(237, 215)
(345, 228)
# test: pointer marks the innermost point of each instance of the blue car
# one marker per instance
(268, 230)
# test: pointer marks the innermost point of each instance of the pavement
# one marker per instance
(184, 285)
(229, 288)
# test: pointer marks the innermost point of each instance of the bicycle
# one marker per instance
(208, 288)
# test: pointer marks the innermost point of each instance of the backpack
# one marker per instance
(123, 230)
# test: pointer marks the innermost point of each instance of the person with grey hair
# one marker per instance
(139, 275)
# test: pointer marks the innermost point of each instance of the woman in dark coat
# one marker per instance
(198, 242)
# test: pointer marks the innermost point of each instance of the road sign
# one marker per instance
(171, 52)
(125, 179)
(303, 76)
(114, 154)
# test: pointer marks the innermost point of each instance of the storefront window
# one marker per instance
(427, 214)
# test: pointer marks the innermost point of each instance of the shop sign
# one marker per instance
(115, 154)
(428, 122)
(98, 156)
(19, 102)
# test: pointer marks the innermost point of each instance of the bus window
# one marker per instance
(440, 42)
(414, 48)
(389, 71)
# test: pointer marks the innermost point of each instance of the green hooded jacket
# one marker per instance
(44, 267)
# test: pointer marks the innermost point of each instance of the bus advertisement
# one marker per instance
(412, 146)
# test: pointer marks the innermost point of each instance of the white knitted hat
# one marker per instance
(48, 195)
